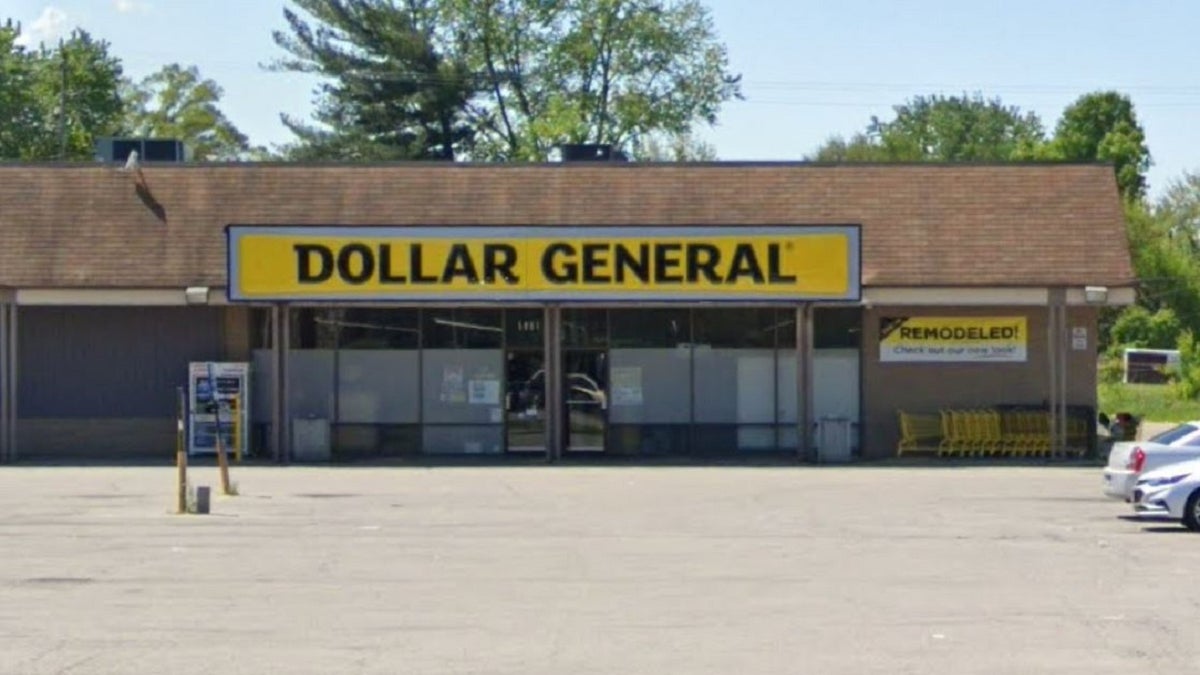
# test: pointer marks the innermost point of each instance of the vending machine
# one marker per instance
(218, 396)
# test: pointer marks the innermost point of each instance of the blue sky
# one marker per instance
(810, 69)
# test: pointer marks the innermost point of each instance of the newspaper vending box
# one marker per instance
(218, 397)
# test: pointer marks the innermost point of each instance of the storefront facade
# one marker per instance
(703, 311)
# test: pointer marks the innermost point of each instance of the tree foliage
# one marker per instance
(56, 100)
(1099, 126)
(19, 113)
(1168, 300)
(678, 148)
(505, 79)
(1165, 267)
(1138, 327)
(940, 129)
(176, 102)
(389, 94)
(955, 129)
(1179, 208)
(858, 148)
(1102, 126)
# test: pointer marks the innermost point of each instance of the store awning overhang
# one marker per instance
(1083, 295)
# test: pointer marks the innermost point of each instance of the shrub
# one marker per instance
(1187, 380)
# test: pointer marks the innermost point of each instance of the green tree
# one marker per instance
(390, 94)
(1165, 266)
(19, 113)
(1179, 208)
(1103, 126)
(680, 148)
(858, 148)
(940, 129)
(176, 102)
(1162, 240)
(509, 78)
(55, 100)
(1137, 327)
(75, 90)
(1187, 379)
(1168, 283)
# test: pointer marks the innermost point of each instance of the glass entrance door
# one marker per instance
(525, 379)
(585, 394)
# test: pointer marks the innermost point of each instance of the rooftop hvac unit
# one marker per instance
(591, 152)
(117, 150)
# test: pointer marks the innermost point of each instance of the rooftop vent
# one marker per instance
(117, 149)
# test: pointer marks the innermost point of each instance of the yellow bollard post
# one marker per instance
(222, 460)
(215, 402)
(235, 407)
(180, 455)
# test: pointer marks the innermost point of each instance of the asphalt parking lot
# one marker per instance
(590, 570)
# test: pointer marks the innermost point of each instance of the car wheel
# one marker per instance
(1191, 512)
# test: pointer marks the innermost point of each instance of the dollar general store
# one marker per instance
(555, 310)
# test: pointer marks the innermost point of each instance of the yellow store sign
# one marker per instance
(542, 263)
(953, 339)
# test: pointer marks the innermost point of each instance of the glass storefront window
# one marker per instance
(357, 442)
(315, 327)
(837, 328)
(735, 327)
(523, 328)
(585, 327)
(379, 328)
(650, 328)
(463, 329)
(734, 386)
(716, 440)
(260, 328)
(649, 440)
(785, 327)
(462, 386)
(678, 380)
(650, 386)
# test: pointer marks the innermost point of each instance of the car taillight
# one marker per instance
(1136, 460)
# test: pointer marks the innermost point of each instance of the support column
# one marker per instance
(552, 336)
(12, 379)
(1052, 369)
(4, 383)
(804, 383)
(280, 417)
(1054, 358)
(1063, 356)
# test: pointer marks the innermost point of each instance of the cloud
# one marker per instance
(128, 6)
(50, 25)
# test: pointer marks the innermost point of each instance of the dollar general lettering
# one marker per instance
(453, 263)
(560, 263)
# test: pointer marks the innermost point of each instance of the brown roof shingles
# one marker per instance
(922, 225)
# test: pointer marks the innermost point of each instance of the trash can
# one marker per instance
(310, 440)
(835, 439)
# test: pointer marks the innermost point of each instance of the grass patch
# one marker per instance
(1151, 402)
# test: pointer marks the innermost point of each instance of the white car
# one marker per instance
(1172, 491)
(1129, 459)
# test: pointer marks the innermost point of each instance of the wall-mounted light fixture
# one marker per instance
(196, 295)
(1095, 295)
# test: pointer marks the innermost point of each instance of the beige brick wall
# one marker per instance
(926, 387)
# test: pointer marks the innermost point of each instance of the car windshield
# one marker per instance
(1174, 434)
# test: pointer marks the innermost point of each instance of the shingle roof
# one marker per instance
(922, 225)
